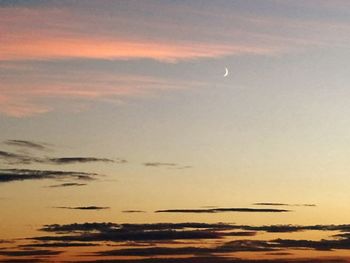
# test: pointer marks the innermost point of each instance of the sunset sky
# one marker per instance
(121, 140)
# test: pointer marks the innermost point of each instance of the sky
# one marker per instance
(121, 140)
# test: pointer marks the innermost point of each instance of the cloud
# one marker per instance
(10, 175)
(60, 244)
(70, 160)
(168, 165)
(143, 240)
(23, 260)
(13, 158)
(216, 259)
(133, 211)
(67, 185)
(27, 144)
(118, 31)
(283, 204)
(157, 164)
(220, 210)
(84, 207)
(93, 232)
(83, 227)
(324, 244)
(296, 228)
(25, 253)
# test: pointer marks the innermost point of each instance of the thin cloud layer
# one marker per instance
(84, 207)
(70, 160)
(27, 144)
(133, 211)
(120, 31)
(221, 210)
(26, 253)
(67, 185)
(14, 158)
(158, 164)
(168, 165)
(11, 175)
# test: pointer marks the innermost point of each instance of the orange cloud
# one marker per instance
(25, 99)
(43, 33)
(118, 49)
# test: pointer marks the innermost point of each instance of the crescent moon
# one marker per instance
(226, 72)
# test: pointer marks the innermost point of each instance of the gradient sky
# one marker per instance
(138, 87)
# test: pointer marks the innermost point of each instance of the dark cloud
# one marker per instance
(283, 204)
(71, 160)
(323, 244)
(13, 158)
(296, 228)
(241, 234)
(210, 259)
(84, 227)
(220, 210)
(90, 232)
(214, 259)
(67, 185)
(230, 247)
(23, 260)
(133, 211)
(25, 253)
(84, 207)
(60, 244)
(27, 144)
(143, 240)
(10, 175)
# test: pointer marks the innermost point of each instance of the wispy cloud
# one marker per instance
(70, 160)
(27, 144)
(133, 211)
(84, 207)
(118, 31)
(11, 175)
(67, 185)
(14, 158)
(220, 210)
(168, 165)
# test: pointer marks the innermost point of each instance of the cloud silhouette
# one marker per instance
(143, 240)
(216, 259)
(32, 252)
(220, 210)
(133, 211)
(10, 175)
(67, 185)
(93, 232)
(60, 244)
(71, 160)
(13, 158)
(84, 207)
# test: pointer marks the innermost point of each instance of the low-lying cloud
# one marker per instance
(221, 210)
(84, 207)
